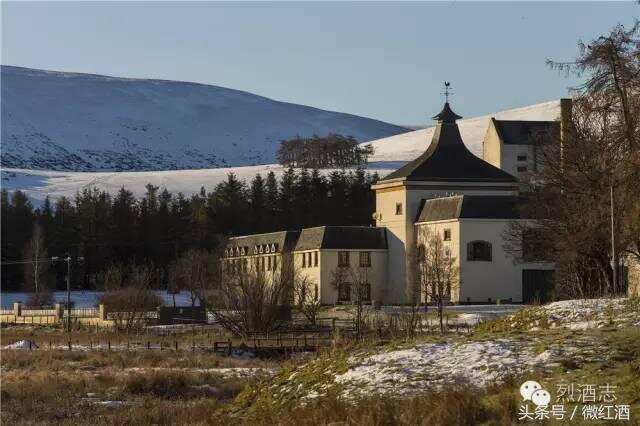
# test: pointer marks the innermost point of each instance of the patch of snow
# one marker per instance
(22, 345)
(581, 325)
(434, 365)
(38, 184)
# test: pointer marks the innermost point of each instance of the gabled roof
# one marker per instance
(342, 237)
(521, 132)
(448, 159)
(470, 207)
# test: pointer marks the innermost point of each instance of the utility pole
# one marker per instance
(614, 260)
(68, 259)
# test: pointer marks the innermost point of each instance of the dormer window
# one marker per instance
(398, 209)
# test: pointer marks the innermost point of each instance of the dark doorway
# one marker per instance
(537, 285)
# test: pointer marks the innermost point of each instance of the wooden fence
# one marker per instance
(258, 344)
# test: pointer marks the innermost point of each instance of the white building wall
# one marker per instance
(424, 230)
(482, 281)
(376, 274)
(400, 228)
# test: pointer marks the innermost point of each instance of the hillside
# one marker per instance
(81, 122)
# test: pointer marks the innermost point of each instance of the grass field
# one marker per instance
(189, 386)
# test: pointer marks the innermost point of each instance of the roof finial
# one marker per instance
(447, 91)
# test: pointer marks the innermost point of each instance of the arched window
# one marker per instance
(479, 251)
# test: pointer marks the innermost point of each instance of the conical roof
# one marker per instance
(448, 159)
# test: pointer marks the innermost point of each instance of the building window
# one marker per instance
(304, 260)
(522, 169)
(479, 251)
(262, 263)
(344, 292)
(343, 259)
(365, 259)
(268, 263)
(365, 292)
(315, 258)
(522, 158)
(309, 259)
(275, 262)
(398, 209)
(447, 235)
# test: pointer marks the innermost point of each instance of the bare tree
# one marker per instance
(307, 299)
(437, 271)
(129, 296)
(252, 300)
(36, 272)
(195, 271)
(585, 196)
(355, 282)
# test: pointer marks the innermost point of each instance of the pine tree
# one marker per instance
(272, 197)
(257, 198)
(288, 218)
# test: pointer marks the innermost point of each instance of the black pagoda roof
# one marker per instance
(448, 159)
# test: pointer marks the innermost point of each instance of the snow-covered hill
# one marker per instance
(38, 184)
(391, 153)
(81, 122)
(407, 146)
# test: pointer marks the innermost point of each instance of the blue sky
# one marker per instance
(380, 60)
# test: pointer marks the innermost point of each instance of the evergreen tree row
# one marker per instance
(119, 229)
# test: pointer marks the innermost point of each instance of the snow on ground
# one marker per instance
(22, 345)
(407, 146)
(431, 365)
(579, 314)
(88, 299)
(37, 184)
(428, 366)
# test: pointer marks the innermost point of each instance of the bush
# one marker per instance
(128, 306)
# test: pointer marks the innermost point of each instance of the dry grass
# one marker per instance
(32, 393)
(456, 406)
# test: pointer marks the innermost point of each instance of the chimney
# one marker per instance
(566, 105)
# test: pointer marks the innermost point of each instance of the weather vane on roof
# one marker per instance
(447, 91)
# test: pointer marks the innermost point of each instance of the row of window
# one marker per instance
(268, 263)
(344, 261)
(344, 292)
(307, 259)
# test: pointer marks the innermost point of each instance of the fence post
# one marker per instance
(102, 312)
(59, 311)
(176, 342)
